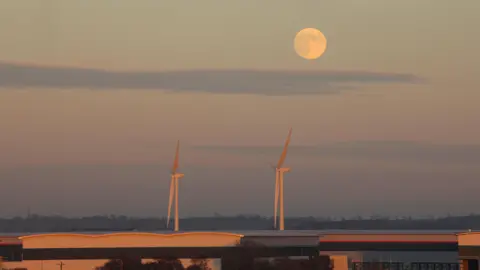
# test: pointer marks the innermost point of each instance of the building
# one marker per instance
(75, 251)
(358, 250)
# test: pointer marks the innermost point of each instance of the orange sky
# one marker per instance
(77, 127)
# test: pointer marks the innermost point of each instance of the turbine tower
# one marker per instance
(174, 189)
(279, 171)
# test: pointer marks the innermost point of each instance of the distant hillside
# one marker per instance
(35, 223)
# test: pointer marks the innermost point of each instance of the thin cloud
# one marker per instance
(235, 81)
(399, 151)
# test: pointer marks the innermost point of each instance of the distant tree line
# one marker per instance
(37, 223)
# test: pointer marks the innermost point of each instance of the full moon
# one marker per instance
(310, 43)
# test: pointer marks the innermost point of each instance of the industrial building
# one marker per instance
(416, 250)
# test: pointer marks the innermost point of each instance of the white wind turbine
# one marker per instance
(279, 171)
(174, 189)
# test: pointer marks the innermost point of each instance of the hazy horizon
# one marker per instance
(94, 95)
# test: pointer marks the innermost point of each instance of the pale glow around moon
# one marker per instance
(310, 43)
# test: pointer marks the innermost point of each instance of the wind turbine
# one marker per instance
(279, 171)
(174, 189)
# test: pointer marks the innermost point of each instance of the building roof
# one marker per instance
(286, 233)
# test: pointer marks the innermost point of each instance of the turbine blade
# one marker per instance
(175, 161)
(275, 211)
(170, 199)
(285, 148)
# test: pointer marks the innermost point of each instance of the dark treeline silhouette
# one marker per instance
(175, 264)
(243, 260)
(37, 223)
(160, 264)
(247, 260)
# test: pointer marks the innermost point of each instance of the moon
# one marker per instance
(310, 43)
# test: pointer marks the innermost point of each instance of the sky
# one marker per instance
(95, 94)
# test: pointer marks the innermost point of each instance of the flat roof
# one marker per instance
(390, 232)
(260, 232)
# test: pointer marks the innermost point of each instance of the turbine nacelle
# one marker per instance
(283, 170)
(177, 175)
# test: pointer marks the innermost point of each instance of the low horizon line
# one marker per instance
(320, 218)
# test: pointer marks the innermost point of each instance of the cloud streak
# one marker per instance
(382, 151)
(234, 81)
